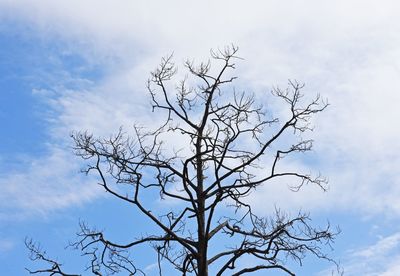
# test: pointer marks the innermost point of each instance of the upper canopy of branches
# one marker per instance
(228, 134)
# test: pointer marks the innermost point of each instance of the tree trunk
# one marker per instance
(203, 242)
(201, 199)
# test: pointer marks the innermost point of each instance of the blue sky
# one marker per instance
(83, 65)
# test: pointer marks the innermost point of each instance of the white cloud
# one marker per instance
(346, 50)
(44, 185)
(393, 269)
(381, 258)
(382, 247)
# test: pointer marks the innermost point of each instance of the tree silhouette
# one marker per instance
(229, 146)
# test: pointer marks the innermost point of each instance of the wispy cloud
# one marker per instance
(46, 184)
(380, 258)
(350, 57)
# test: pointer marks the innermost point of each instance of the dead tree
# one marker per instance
(232, 147)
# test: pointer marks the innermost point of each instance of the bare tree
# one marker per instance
(232, 148)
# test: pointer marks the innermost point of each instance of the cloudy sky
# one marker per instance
(83, 65)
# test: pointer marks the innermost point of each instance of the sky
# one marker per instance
(83, 65)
